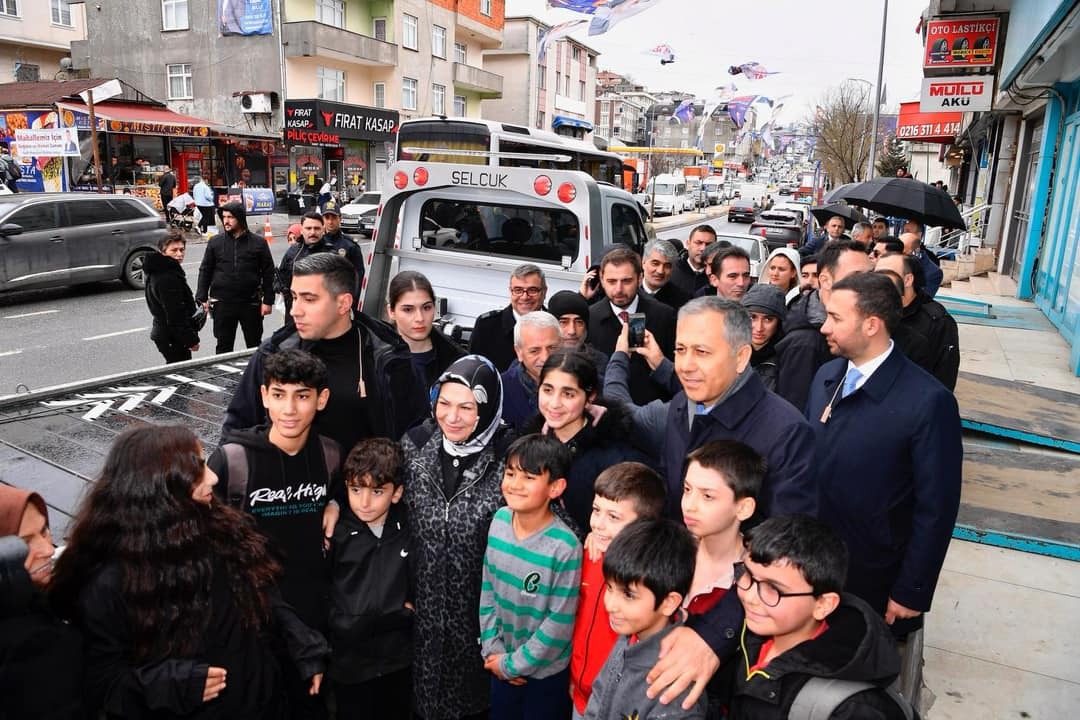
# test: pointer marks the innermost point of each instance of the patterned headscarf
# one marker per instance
(480, 376)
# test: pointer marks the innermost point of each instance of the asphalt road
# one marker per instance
(52, 337)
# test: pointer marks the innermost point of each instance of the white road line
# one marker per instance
(114, 334)
(133, 299)
(30, 314)
(10, 352)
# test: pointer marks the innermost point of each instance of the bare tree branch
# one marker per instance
(843, 127)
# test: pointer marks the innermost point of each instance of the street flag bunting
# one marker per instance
(556, 33)
(752, 71)
(685, 112)
(606, 13)
(664, 52)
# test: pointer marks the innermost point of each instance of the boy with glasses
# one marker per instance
(800, 628)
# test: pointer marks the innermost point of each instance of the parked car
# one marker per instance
(60, 239)
(742, 210)
(755, 246)
(351, 213)
(779, 228)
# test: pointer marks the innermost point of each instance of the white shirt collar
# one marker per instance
(648, 290)
(632, 308)
(869, 367)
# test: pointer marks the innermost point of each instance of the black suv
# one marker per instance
(58, 239)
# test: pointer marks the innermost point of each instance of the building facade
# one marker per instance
(36, 36)
(621, 106)
(555, 93)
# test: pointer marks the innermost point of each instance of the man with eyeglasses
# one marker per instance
(493, 333)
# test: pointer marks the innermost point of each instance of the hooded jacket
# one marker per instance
(170, 301)
(855, 646)
(390, 382)
(802, 350)
(236, 269)
(370, 629)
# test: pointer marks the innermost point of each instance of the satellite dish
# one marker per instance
(65, 63)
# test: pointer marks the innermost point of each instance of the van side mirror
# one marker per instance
(9, 229)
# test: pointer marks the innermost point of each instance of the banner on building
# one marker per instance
(966, 93)
(961, 42)
(55, 142)
(915, 126)
(245, 17)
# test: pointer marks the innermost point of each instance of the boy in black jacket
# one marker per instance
(371, 611)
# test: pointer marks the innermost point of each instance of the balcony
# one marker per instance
(314, 39)
(485, 83)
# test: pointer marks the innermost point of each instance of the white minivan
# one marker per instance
(668, 193)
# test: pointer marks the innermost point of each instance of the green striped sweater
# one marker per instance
(529, 596)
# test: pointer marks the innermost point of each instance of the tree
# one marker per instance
(843, 124)
(894, 157)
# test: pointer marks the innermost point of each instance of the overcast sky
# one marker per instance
(813, 45)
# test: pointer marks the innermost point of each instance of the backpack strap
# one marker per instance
(819, 697)
(331, 451)
(237, 461)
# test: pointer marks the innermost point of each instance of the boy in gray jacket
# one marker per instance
(648, 569)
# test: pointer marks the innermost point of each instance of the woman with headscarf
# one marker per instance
(767, 309)
(174, 592)
(782, 270)
(40, 655)
(453, 486)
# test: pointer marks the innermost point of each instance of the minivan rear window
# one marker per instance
(539, 234)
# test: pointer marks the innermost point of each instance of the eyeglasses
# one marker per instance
(767, 592)
(530, 291)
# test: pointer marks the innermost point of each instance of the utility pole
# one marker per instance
(877, 90)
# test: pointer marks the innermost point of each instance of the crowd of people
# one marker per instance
(674, 493)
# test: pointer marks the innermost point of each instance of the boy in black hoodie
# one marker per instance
(170, 300)
(371, 611)
(280, 475)
(800, 627)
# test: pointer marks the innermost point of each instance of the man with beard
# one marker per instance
(659, 261)
(688, 274)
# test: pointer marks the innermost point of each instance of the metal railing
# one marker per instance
(976, 218)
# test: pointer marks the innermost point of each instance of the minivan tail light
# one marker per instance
(542, 185)
(420, 176)
(401, 180)
(567, 192)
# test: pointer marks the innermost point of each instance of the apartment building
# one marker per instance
(621, 107)
(555, 93)
(36, 37)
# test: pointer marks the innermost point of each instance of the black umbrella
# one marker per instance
(822, 213)
(837, 193)
(906, 198)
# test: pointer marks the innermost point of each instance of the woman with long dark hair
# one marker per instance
(410, 307)
(174, 592)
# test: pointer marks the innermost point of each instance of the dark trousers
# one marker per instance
(207, 218)
(388, 697)
(535, 700)
(172, 351)
(227, 315)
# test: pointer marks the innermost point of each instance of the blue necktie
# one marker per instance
(850, 381)
(701, 409)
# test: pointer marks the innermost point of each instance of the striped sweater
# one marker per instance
(528, 597)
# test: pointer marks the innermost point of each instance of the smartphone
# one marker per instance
(594, 281)
(636, 333)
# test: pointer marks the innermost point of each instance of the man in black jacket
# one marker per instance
(658, 261)
(170, 300)
(237, 273)
(338, 242)
(493, 332)
(373, 388)
(317, 238)
(620, 277)
(689, 274)
(167, 186)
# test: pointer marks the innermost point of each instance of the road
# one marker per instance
(51, 337)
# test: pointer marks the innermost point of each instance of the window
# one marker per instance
(25, 72)
(330, 12)
(461, 106)
(459, 53)
(408, 94)
(9, 7)
(575, 54)
(331, 84)
(627, 227)
(410, 32)
(174, 15)
(378, 28)
(39, 216)
(380, 95)
(485, 7)
(128, 209)
(180, 86)
(89, 212)
(558, 82)
(541, 118)
(61, 12)
(581, 92)
(540, 234)
(541, 76)
(438, 41)
(438, 99)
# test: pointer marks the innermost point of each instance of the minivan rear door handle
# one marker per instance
(56, 238)
(117, 232)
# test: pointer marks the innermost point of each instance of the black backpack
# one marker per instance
(237, 461)
(819, 697)
(11, 169)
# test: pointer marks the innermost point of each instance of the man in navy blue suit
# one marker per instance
(889, 453)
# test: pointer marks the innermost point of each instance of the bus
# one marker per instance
(488, 142)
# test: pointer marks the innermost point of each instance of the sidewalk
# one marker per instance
(1003, 638)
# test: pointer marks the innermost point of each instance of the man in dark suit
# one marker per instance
(894, 495)
(620, 277)
(689, 274)
(493, 332)
(658, 261)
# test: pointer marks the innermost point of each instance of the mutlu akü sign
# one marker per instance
(965, 93)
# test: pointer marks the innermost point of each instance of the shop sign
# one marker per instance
(938, 127)
(967, 93)
(258, 201)
(326, 124)
(245, 17)
(961, 42)
(56, 142)
(44, 174)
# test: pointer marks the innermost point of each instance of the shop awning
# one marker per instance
(137, 119)
(564, 121)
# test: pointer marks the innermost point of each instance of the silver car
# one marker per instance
(59, 239)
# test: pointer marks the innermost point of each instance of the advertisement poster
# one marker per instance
(939, 127)
(258, 201)
(39, 174)
(63, 142)
(962, 42)
(245, 17)
(967, 93)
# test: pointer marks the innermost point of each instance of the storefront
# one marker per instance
(351, 144)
